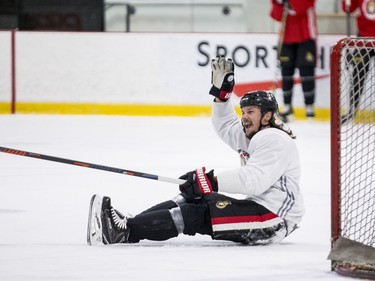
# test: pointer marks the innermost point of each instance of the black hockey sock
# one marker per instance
(308, 83)
(287, 83)
(161, 206)
(155, 225)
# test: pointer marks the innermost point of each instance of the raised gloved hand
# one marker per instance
(198, 183)
(222, 78)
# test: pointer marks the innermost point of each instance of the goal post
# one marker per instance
(353, 157)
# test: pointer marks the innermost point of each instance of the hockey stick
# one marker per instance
(284, 16)
(280, 44)
(348, 19)
(90, 165)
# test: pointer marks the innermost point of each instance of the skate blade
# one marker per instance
(94, 227)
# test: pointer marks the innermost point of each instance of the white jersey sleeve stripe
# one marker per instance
(288, 201)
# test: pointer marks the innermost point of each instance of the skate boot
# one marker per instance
(310, 113)
(114, 224)
(287, 114)
(106, 225)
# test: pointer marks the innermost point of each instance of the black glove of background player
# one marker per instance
(198, 183)
(222, 78)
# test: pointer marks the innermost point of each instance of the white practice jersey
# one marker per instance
(270, 170)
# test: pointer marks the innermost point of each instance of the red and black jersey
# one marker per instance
(300, 22)
(366, 17)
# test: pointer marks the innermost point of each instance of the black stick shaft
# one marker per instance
(348, 19)
(89, 165)
(282, 29)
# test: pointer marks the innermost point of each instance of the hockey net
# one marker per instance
(353, 157)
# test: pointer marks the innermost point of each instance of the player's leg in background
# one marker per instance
(287, 63)
(306, 62)
(360, 64)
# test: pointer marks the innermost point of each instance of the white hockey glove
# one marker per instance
(222, 78)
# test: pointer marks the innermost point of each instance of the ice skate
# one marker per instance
(114, 224)
(106, 225)
(94, 227)
(310, 113)
(287, 114)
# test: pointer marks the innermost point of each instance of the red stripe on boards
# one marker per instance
(239, 219)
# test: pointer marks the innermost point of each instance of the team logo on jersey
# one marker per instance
(244, 156)
(222, 204)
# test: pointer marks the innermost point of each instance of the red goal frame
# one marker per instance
(342, 267)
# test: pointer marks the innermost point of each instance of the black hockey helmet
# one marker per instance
(264, 99)
(267, 102)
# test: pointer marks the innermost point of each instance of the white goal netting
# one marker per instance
(353, 156)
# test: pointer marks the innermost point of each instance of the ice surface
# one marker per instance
(44, 205)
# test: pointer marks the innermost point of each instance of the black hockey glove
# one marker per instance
(198, 183)
(222, 78)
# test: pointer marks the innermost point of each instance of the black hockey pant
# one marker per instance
(221, 217)
(302, 56)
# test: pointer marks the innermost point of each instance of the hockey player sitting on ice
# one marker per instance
(268, 177)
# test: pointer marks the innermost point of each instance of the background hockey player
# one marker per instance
(298, 50)
(268, 177)
(359, 60)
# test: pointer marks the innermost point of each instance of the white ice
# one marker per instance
(44, 205)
